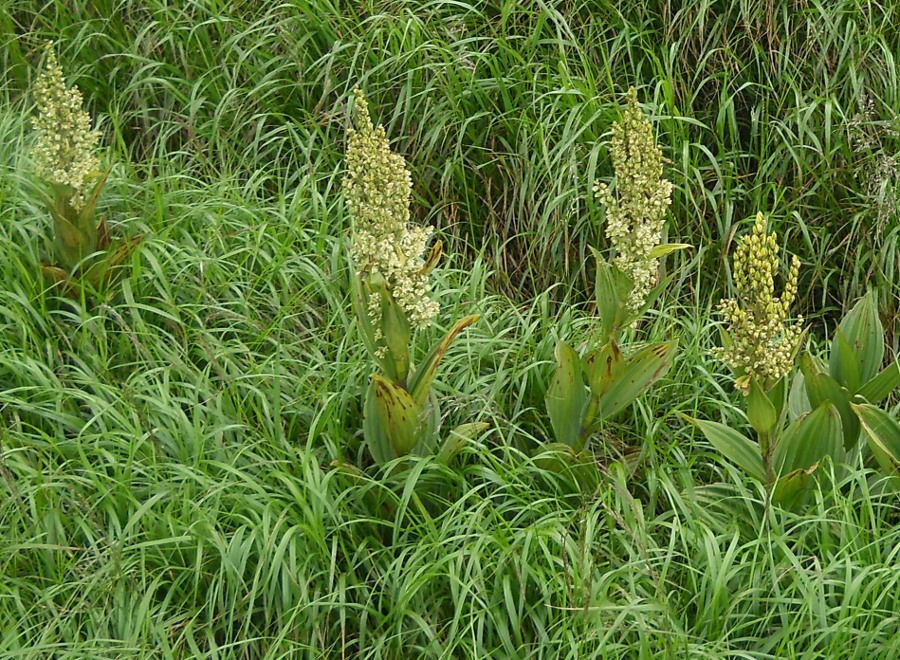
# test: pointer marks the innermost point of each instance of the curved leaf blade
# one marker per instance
(863, 333)
(734, 446)
(567, 397)
(611, 291)
(603, 367)
(760, 411)
(808, 440)
(820, 387)
(421, 380)
(880, 387)
(882, 435)
(639, 372)
(398, 414)
(374, 430)
(792, 490)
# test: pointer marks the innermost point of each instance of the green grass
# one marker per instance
(182, 472)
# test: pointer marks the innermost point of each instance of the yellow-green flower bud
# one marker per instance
(763, 342)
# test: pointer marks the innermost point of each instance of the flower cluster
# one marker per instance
(377, 189)
(763, 342)
(66, 150)
(878, 165)
(636, 213)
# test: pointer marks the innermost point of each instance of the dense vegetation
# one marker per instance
(182, 464)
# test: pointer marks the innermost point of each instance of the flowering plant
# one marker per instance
(587, 390)
(392, 263)
(65, 156)
(760, 343)
(826, 409)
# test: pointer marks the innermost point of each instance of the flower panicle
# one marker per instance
(65, 153)
(377, 189)
(635, 211)
(763, 341)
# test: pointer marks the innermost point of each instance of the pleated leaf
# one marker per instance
(810, 439)
(863, 332)
(734, 446)
(398, 414)
(603, 367)
(882, 435)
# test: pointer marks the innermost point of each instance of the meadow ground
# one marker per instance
(182, 467)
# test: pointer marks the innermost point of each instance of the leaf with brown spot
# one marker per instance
(640, 371)
(398, 413)
(603, 367)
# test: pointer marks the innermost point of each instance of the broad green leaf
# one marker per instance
(777, 394)
(459, 436)
(726, 504)
(843, 363)
(798, 401)
(603, 366)
(820, 387)
(808, 440)
(611, 291)
(792, 490)
(470, 430)
(396, 332)
(70, 236)
(664, 249)
(567, 397)
(639, 372)
(421, 380)
(880, 387)
(86, 215)
(398, 414)
(734, 446)
(427, 440)
(864, 334)
(71, 243)
(760, 411)
(374, 431)
(361, 307)
(882, 435)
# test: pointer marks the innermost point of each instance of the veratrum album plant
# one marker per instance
(588, 389)
(823, 413)
(392, 263)
(66, 157)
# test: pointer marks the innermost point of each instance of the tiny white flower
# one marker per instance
(377, 190)
(66, 150)
(635, 214)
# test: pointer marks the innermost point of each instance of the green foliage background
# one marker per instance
(167, 485)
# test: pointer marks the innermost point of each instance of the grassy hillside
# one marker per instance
(183, 471)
